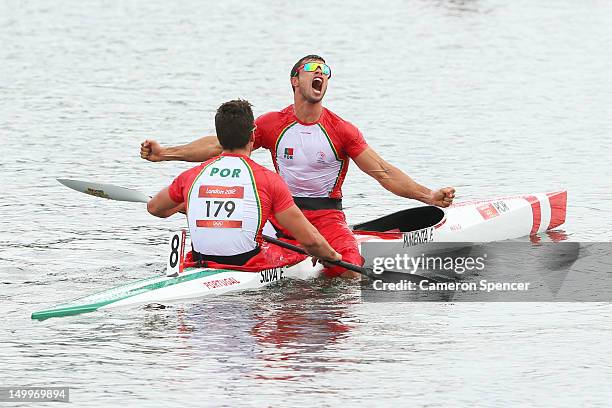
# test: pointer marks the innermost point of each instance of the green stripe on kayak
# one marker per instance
(119, 293)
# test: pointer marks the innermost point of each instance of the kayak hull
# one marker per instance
(490, 220)
(472, 221)
(193, 283)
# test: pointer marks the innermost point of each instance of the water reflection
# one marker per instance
(549, 236)
(275, 334)
(543, 265)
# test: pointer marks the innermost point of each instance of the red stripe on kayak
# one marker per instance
(441, 223)
(558, 208)
(182, 254)
(536, 210)
(380, 234)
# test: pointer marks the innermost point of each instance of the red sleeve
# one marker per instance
(182, 183)
(257, 143)
(261, 127)
(269, 127)
(354, 143)
(279, 193)
(176, 189)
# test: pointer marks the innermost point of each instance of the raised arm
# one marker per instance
(399, 183)
(306, 234)
(197, 151)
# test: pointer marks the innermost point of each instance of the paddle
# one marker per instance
(386, 276)
(117, 193)
(108, 191)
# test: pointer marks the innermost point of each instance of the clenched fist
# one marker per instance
(151, 150)
(442, 197)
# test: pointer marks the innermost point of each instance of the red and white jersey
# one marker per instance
(312, 158)
(229, 198)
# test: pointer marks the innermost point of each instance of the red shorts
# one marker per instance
(332, 225)
(270, 256)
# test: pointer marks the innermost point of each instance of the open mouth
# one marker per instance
(317, 84)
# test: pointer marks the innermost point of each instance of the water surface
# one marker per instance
(492, 97)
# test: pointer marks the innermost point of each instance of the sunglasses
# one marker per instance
(312, 67)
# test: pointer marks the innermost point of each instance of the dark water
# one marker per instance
(492, 97)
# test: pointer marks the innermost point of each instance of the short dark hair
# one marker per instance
(296, 67)
(234, 123)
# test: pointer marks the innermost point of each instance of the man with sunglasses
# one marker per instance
(311, 147)
(229, 198)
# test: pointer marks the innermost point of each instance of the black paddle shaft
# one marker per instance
(300, 250)
(386, 275)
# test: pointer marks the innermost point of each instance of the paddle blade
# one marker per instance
(108, 191)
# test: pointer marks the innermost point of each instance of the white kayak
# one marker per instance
(490, 220)
(471, 221)
(193, 283)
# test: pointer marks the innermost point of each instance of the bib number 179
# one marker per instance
(174, 266)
